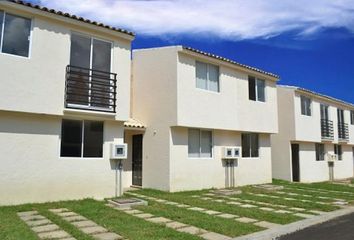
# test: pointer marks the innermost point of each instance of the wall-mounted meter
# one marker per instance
(119, 151)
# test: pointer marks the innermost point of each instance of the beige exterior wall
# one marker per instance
(166, 99)
(37, 84)
(306, 131)
(33, 171)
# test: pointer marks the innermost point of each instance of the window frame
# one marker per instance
(256, 84)
(82, 139)
(200, 145)
(320, 151)
(352, 117)
(338, 147)
(303, 111)
(251, 145)
(2, 29)
(207, 80)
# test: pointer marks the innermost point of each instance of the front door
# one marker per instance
(137, 159)
(295, 162)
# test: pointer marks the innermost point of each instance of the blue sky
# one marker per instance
(311, 47)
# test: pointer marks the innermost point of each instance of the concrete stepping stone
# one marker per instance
(246, 220)
(59, 210)
(197, 209)
(82, 224)
(36, 223)
(265, 224)
(192, 230)
(175, 225)
(133, 211)
(209, 194)
(160, 220)
(171, 203)
(53, 235)
(214, 236)
(247, 206)
(227, 216)
(297, 209)
(304, 215)
(75, 218)
(267, 209)
(28, 213)
(144, 215)
(66, 214)
(234, 203)
(45, 228)
(282, 211)
(32, 217)
(107, 236)
(317, 212)
(93, 230)
(160, 200)
(183, 205)
(206, 198)
(211, 212)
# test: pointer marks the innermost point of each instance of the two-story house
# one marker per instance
(316, 137)
(194, 104)
(64, 97)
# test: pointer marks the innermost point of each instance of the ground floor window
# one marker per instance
(250, 145)
(320, 152)
(338, 151)
(81, 139)
(200, 143)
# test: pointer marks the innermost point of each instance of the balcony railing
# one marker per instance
(343, 131)
(90, 89)
(327, 129)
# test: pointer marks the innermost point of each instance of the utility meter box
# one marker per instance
(119, 151)
(231, 152)
(331, 157)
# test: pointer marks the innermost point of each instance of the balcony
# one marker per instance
(343, 132)
(89, 89)
(327, 129)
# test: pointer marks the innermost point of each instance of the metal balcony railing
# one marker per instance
(327, 129)
(90, 89)
(343, 131)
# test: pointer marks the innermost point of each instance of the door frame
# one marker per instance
(295, 162)
(135, 136)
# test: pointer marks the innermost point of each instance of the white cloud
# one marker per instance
(228, 19)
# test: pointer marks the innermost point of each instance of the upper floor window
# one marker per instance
(200, 143)
(81, 139)
(340, 116)
(256, 89)
(15, 34)
(320, 152)
(250, 145)
(207, 76)
(306, 106)
(352, 117)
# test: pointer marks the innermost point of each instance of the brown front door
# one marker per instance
(137, 160)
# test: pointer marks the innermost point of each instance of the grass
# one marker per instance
(227, 227)
(12, 227)
(185, 198)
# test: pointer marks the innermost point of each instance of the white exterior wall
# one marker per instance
(37, 84)
(228, 109)
(202, 173)
(33, 171)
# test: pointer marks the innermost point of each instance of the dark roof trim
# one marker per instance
(27, 4)
(230, 61)
(319, 95)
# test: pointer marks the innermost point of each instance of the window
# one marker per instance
(81, 139)
(207, 76)
(338, 151)
(320, 152)
(352, 117)
(256, 89)
(15, 32)
(200, 143)
(250, 145)
(305, 106)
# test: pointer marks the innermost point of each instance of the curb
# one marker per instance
(273, 233)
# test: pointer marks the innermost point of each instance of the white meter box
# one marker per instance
(119, 151)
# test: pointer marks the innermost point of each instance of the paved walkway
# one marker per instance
(85, 225)
(43, 227)
(256, 222)
(178, 226)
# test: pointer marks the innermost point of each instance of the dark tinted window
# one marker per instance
(1, 21)
(16, 38)
(93, 139)
(252, 88)
(250, 145)
(101, 58)
(320, 152)
(71, 138)
(80, 51)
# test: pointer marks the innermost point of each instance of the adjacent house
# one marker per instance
(316, 137)
(65, 96)
(195, 104)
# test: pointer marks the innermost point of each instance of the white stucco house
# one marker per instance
(65, 96)
(195, 104)
(316, 137)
